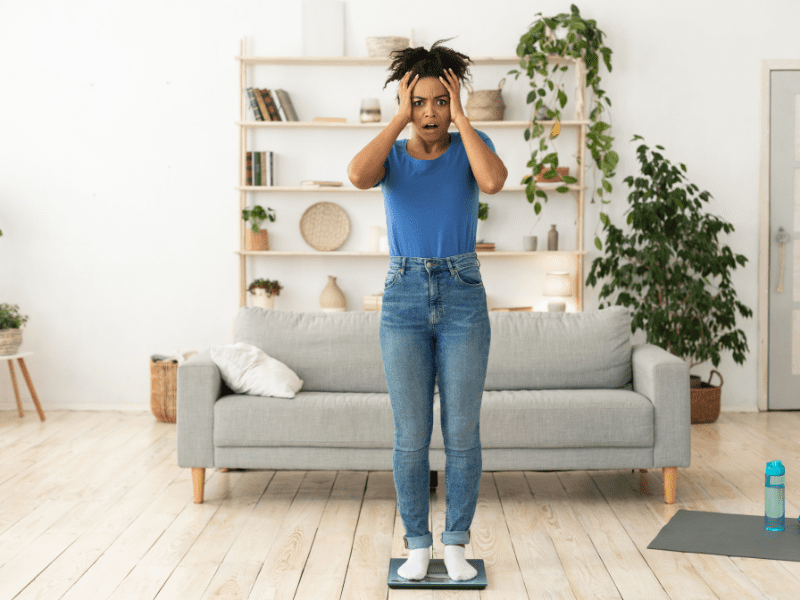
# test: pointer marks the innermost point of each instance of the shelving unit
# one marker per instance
(580, 123)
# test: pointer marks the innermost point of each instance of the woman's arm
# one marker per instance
(488, 169)
(366, 169)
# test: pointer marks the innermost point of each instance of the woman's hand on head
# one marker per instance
(404, 92)
(453, 86)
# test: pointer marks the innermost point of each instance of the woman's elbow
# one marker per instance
(495, 184)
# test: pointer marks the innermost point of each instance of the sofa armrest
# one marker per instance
(200, 385)
(663, 378)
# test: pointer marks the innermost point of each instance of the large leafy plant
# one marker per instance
(667, 260)
(585, 41)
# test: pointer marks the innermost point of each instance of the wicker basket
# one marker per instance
(10, 341)
(382, 46)
(706, 399)
(163, 389)
(485, 105)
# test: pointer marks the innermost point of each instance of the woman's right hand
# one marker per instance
(406, 105)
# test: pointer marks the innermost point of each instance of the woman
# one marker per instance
(434, 319)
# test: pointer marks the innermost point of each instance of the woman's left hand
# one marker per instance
(454, 88)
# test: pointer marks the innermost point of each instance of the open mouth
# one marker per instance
(430, 126)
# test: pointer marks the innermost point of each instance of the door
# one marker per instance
(784, 225)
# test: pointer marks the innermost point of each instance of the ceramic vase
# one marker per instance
(529, 243)
(332, 299)
(552, 239)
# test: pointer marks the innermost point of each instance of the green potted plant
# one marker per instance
(483, 214)
(585, 41)
(670, 254)
(11, 323)
(256, 238)
(264, 292)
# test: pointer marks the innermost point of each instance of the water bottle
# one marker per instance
(774, 499)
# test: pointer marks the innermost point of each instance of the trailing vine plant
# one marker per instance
(583, 40)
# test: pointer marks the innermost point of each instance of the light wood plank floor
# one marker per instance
(93, 506)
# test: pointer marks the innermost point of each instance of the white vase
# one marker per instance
(263, 299)
(332, 299)
(479, 233)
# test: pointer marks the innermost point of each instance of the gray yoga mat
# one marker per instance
(728, 535)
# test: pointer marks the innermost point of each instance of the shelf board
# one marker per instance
(347, 188)
(354, 125)
(380, 62)
(386, 255)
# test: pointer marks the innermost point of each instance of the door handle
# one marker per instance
(781, 238)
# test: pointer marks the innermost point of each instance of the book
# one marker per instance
(270, 104)
(286, 104)
(249, 169)
(256, 168)
(321, 183)
(251, 95)
(261, 106)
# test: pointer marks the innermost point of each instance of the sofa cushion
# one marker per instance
(547, 350)
(509, 419)
(249, 370)
(330, 352)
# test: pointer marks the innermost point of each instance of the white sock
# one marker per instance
(458, 569)
(416, 567)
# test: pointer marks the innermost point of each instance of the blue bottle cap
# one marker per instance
(775, 468)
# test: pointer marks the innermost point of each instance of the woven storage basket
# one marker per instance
(706, 399)
(163, 389)
(10, 341)
(382, 46)
(485, 105)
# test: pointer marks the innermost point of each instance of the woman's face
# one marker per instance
(430, 108)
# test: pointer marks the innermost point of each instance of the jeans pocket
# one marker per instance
(391, 279)
(470, 275)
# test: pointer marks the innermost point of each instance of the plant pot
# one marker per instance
(529, 243)
(263, 299)
(256, 241)
(706, 398)
(560, 170)
(10, 341)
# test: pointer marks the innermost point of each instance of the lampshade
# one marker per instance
(558, 284)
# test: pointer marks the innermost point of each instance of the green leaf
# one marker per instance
(537, 208)
(606, 185)
(569, 179)
(604, 218)
(563, 189)
(597, 243)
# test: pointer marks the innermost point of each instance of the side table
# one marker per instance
(20, 356)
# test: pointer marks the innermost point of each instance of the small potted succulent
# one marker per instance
(11, 323)
(264, 292)
(483, 214)
(256, 238)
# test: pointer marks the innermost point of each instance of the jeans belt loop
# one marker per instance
(402, 271)
(405, 541)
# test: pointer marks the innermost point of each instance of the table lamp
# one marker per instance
(559, 285)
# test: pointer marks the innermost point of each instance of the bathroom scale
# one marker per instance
(437, 577)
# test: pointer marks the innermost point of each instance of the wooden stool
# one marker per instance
(10, 358)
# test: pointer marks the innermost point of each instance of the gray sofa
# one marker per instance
(563, 391)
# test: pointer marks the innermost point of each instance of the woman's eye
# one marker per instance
(417, 102)
(442, 102)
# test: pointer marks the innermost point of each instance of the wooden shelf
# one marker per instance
(354, 125)
(386, 255)
(351, 189)
(327, 61)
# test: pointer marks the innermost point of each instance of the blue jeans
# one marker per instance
(434, 322)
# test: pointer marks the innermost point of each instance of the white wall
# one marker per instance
(118, 156)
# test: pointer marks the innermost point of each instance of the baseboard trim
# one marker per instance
(125, 407)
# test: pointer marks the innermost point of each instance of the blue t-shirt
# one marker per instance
(431, 205)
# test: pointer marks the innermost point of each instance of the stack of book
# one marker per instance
(259, 168)
(272, 105)
(487, 247)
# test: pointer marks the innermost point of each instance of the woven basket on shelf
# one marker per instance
(485, 105)
(163, 390)
(10, 341)
(706, 399)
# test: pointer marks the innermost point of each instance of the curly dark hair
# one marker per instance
(428, 63)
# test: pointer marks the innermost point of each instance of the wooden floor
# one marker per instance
(94, 506)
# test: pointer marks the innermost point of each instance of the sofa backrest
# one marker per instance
(556, 350)
(341, 352)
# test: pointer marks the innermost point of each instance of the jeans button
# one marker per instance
(429, 263)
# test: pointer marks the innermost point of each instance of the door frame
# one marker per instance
(767, 66)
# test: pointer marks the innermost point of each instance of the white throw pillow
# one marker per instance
(248, 370)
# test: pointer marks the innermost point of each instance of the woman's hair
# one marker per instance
(428, 63)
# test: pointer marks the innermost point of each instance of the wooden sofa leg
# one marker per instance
(670, 483)
(198, 484)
